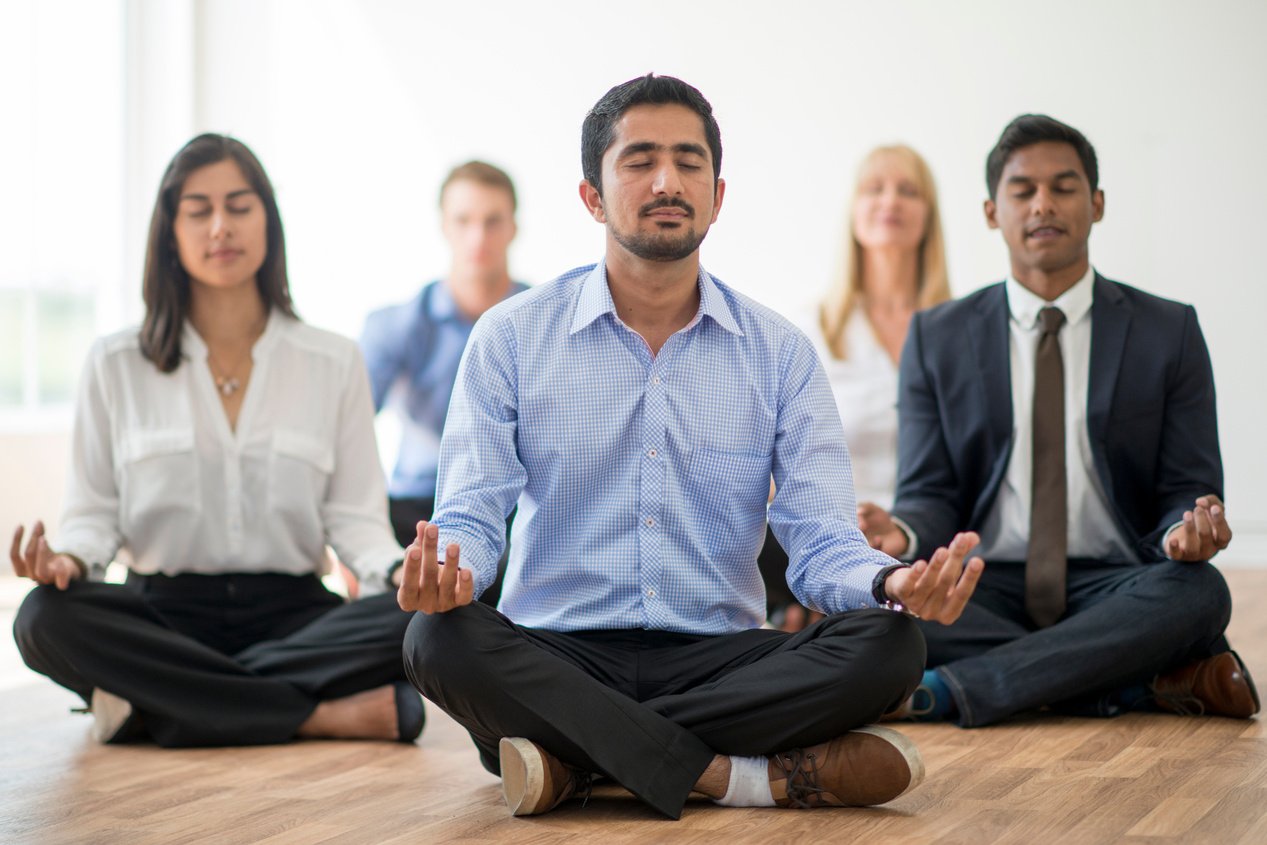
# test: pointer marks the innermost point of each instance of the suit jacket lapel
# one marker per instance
(1110, 322)
(993, 356)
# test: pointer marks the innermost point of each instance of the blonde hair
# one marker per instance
(931, 286)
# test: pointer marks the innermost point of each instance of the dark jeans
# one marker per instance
(212, 659)
(650, 709)
(405, 515)
(1124, 624)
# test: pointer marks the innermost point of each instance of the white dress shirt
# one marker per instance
(865, 387)
(159, 478)
(1092, 530)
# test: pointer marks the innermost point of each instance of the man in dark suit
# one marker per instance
(1070, 420)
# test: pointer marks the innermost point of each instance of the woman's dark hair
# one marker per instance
(166, 284)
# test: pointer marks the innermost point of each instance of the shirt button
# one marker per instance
(650, 522)
(652, 452)
(651, 594)
(655, 379)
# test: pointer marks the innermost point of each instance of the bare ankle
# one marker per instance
(716, 778)
(363, 715)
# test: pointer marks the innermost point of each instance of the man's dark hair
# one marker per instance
(165, 287)
(596, 131)
(1030, 129)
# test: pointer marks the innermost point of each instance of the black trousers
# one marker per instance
(405, 515)
(650, 709)
(1124, 624)
(210, 660)
(772, 562)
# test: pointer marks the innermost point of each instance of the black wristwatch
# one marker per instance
(877, 586)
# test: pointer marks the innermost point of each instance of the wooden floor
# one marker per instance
(1136, 779)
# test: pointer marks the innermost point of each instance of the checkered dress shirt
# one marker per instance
(642, 481)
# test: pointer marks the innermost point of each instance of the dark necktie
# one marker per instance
(1048, 517)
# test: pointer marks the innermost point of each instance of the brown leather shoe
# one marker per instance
(870, 765)
(1216, 686)
(534, 780)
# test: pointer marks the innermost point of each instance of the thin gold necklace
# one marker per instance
(226, 384)
(229, 383)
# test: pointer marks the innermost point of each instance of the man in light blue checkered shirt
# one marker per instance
(636, 411)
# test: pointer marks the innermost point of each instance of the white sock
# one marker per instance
(749, 783)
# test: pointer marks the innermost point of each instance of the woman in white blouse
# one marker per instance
(217, 452)
(894, 264)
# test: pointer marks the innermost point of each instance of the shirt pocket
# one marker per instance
(730, 491)
(300, 466)
(159, 478)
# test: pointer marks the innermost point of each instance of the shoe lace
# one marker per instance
(582, 785)
(800, 768)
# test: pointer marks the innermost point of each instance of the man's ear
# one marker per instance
(1097, 205)
(593, 200)
(719, 193)
(991, 210)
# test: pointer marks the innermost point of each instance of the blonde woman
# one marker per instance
(894, 264)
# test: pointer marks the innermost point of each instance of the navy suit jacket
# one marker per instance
(1150, 414)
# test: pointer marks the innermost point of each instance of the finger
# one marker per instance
(924, 580)
(31, 553)
(962, 592)
(430, 571)
(466, 587)
(1222, 531)
(410, 573)
(62, 573)
(1205, 532)
(943, 589)
(907, 592)
(1218, 525)
(448, 579)
(47, 563)
(1209, 500)
(943, 571)
(15, 554)
(959, 548)
(1183, 539)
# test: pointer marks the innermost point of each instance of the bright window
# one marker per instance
(62, 201)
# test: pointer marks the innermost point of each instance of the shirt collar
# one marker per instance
(1025, 304)
(596, 299)
(441, 305)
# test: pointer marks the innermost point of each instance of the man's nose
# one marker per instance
(1043, 203)
(667, 180)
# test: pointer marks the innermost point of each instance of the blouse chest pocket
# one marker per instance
(158, 476)
(300, 466)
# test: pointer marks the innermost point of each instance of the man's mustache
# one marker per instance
(668, 202)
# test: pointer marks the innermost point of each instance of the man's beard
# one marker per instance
(664, 245)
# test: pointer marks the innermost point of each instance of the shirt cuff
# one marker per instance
(912, 541)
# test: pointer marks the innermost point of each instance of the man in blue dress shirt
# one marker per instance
(412, 349)
(635, 412)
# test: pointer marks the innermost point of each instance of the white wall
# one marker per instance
(358, 108)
